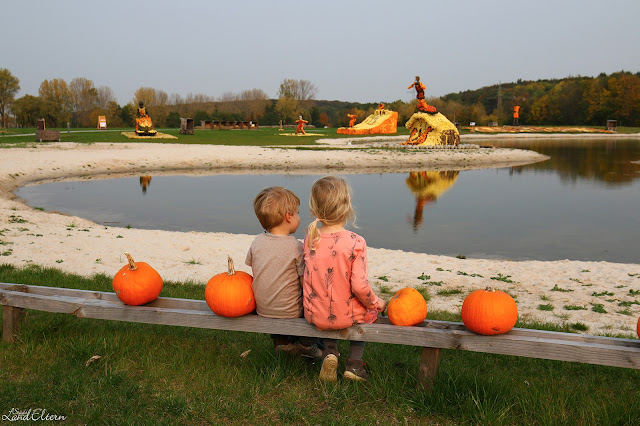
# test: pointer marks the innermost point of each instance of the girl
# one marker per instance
(336, 286)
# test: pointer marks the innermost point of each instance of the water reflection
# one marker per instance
(608, 162)
(427, 187)
(145, 181)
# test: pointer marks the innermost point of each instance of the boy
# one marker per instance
(277, 263)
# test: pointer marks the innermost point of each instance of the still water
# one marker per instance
(582, 204)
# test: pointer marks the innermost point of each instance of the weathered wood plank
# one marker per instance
(164, 302)
(190, 304)
(546, 345)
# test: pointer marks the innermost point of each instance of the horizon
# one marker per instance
(361, 51)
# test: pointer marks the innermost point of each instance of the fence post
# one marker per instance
(11, 318)
(429, 362)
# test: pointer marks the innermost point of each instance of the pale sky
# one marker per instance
(352, 50)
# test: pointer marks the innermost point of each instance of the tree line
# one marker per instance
(568, 101)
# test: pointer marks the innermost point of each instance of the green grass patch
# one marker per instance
(154, 374)
(449, 292)
(575, 308)
(548, 307)
(564, 290)
(503, 278)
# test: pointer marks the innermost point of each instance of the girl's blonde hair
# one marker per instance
(330, 203)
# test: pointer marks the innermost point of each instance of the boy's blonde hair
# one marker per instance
(330, 203)
(273, 203)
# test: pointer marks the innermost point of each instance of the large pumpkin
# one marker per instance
(229, 294)
(137, 283)
(407, 307)
(489, 312)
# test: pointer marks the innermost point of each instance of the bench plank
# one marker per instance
(431, 334)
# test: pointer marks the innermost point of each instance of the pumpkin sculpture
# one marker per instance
(229, 294)
(137, 283)
(407, 307)
(489, 312)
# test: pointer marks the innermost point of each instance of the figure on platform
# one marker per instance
(144, 125)
(352, 119)
(381, 106)
(422, 105)
(516, 114)
(300, 128)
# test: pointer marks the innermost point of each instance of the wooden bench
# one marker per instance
(432, 336)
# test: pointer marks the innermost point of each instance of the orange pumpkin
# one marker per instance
(489, 312)
(137, 283)
(407, 307)
(229, 294)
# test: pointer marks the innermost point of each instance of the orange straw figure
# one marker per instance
(352, 119)
(381, 106)
(422, 105)
(516, 114)
(300, 128)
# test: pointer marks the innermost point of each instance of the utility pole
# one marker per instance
(499, 102)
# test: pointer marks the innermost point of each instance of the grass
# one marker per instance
(260, 137)
(153, 374)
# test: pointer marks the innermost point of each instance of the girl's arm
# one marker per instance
(360, 279)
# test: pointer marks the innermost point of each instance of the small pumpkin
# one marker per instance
(407, 307)
(488, 311)
(137, 283)
(229, 294)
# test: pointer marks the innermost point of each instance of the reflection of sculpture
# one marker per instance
(427, 187)
(144, 125)
(422, 105)
(300, 128)
(145, 181)
(352, 119)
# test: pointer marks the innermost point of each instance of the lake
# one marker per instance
(582, 204)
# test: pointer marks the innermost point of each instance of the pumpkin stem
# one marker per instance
(132, 264)
(489, 288)
(232, 269)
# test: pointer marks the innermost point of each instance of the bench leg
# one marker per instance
(11, 317)
(429, 362)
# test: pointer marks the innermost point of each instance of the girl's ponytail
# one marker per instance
(313, 235)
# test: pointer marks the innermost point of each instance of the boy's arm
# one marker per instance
(300, 263)
(249, 258)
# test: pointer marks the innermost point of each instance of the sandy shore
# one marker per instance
(72, 244)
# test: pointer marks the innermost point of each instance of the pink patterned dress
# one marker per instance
(336, 286)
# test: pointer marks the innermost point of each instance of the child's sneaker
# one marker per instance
(355, 370)
(329, 370)
(311, 351)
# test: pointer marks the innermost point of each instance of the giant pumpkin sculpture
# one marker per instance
(489, 312)
(229, 294)
(407, 307)
(137, 283)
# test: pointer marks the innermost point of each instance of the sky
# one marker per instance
(351, 50)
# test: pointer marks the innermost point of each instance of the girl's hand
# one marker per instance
(382, 305)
